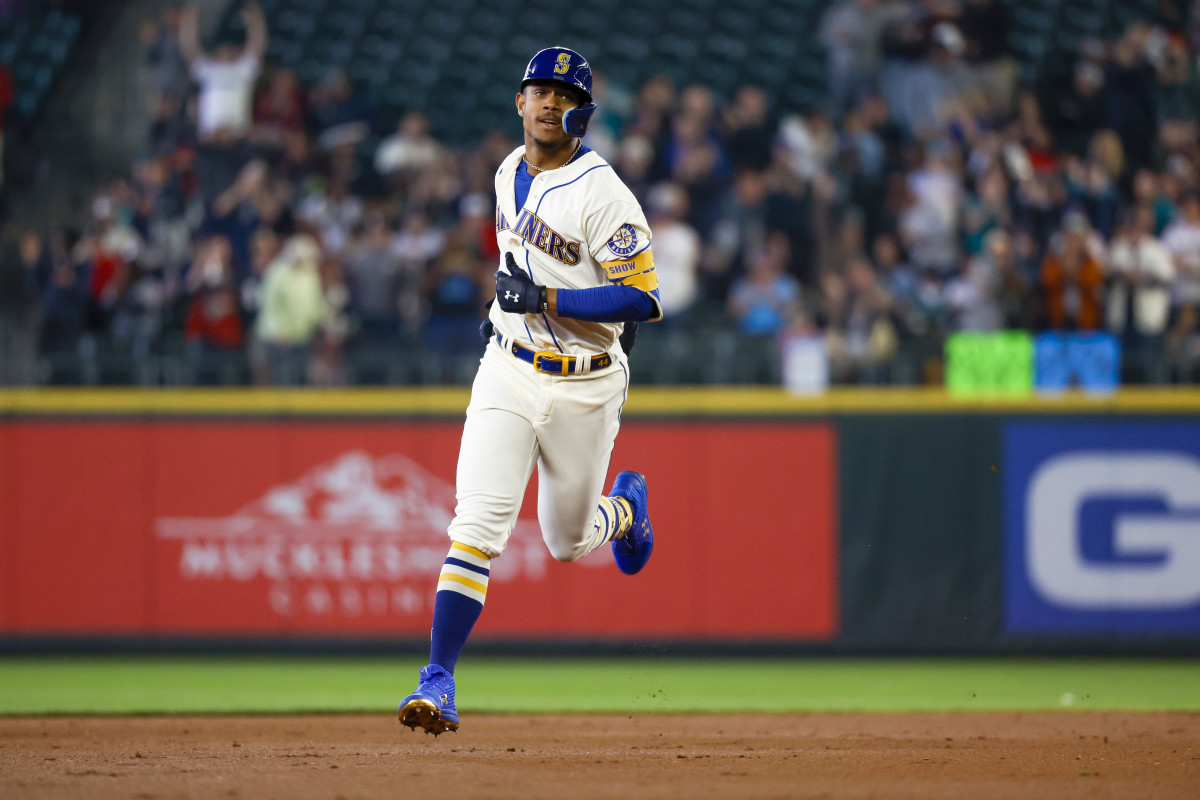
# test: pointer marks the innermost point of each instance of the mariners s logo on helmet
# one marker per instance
(564, 63)
(624, 241)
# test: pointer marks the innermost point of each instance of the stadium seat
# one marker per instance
(36, 48)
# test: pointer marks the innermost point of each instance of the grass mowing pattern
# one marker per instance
(105, 685)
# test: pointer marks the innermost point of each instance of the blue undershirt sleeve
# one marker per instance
(612, 303)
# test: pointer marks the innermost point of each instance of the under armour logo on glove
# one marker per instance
(511, 285)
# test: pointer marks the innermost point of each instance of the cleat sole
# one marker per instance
(424, 715)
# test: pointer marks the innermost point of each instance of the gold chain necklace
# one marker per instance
(575, 152)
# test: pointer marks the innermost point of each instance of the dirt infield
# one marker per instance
(1061, 755)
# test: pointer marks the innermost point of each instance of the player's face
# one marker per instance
(541, 106)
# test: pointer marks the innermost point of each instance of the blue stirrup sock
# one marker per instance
(461, 591)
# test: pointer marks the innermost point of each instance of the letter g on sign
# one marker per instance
(1057, 567)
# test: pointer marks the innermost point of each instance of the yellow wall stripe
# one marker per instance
(644, 401)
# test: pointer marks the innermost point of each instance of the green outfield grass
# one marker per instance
(103, 685)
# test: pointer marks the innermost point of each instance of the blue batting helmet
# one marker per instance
(561, 65)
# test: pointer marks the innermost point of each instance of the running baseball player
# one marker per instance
(576, 268)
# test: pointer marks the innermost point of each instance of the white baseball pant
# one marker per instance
(519, 417)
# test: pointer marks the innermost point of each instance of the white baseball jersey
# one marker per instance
(580, 228)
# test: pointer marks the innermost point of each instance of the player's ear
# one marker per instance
(520, 104)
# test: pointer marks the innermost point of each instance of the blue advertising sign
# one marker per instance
(1102, 527)
(1091, 361)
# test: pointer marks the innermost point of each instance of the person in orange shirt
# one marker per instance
(1072, 281)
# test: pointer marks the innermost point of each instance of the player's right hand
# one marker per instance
(516, 292)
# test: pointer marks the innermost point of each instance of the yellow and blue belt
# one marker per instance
(549, 362)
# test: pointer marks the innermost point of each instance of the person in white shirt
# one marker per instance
(1140, 272)
(226, 77)
(409, 149)
(1182, 239)
(676, 248)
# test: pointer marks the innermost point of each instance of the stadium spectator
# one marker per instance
(328, 366)
(64, 295)
(375, 273)
(24, 270)
(280, 110)
(1130, 96)
(292, 308)
(1072, 281)
(1182, 238)
(1078, 112)
(695, 156)
(677, 250)
(456, 281)
(224, 105)
(808, 143)
(339, 116)
(162, 53)
(929, 224)
(860, 334)
(739, 236)
(1140, 273)
(417, 244)
(1147, 190)
(264, 248)
(750, 129)
(851, 31)
(408, 150)
(214, 316)
(986, 209)
(895, 275)
(334, 212)
(226, 77)
(137, 313)
(1178, 96)
(765, 299)
(240, 210)
(985, 25)
(990, 293)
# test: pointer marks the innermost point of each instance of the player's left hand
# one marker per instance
(516, 292)
(628, 337)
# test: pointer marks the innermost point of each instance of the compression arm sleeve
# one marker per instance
(612, 303)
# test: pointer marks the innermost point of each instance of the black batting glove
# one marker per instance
(628, 337)
(516, 292)
(486, 328)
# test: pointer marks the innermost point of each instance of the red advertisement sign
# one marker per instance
(333, 528)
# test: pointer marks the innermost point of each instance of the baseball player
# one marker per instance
(577, 274)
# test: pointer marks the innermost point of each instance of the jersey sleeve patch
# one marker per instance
(637, 272)
(624, 241)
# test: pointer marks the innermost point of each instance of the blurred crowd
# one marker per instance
(285, 233)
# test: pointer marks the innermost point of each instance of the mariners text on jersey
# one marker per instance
(536, 232)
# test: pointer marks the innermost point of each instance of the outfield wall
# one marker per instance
(855, 521)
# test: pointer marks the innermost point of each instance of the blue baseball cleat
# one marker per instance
(632, 550)
(431, 706)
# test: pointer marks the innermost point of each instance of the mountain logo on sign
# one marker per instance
(360, 526)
